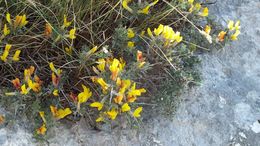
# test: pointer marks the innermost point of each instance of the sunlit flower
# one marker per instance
(97, 105)
(125, 5)
(102, 83)
(233, 26)
(6, 52)
(28, 72)
(8, 18)
(112, 114)
(114, 68)
(101, 64)
(133, 93)
(72, 33)
(130, 33)
(100, 119)
(24, 90)
(207, 29)
(16, 56)
(42, 130)
(130, 44)
(61, 113)
(55, 92)
(66, 23)
(221, 36)
(149, 32)
(190, 1)
(84, 96)
(42, 115)
(68, 50)
(6, 30)
(34, 86)
(137, 112)
(125, 107)
(159, 30)
(234, 36)
(20, 21)
(145, 10)
(51, 65)
(205, 12)
(16, 82)
(48, 30)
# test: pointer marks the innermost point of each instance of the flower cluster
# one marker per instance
(118, 93)
(233, 30)
(166, 33)
(30, 82)
(4, 56)
(197, 8)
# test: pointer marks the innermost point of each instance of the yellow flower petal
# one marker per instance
(137, 112)
(125, 107)
(97, 105)
(42, 115)
(84, 96)
(125, 5)
(130, 44)
(55, 92)
(72, 34)
(51, 65)
(205, 12)
(159, 30)
(149, 32)
(6, 30)
(42, 130)
(112, 114)
(66, 23)
(8, 18)
(101, 64)
(130, 33)
(16, 56)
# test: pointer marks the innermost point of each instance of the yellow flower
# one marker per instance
(112, 114)
(101, 64)
(6, 30)
(72, 34)
(84, 96)
(133, 92)
(100, 119)
(55, 92)
(34, 86)
(125, 107)
(20, 21)
(137, 112)
(66, 23)
(190, 1)
(102, 83)
(97, 105)
(130, 33)
(42, 130)
(149, 32)
(146, 9)
(28, 72)
(24, 90)
(205, 12)
(16, 55)
(51, 65)
(42, 115)
(6, 52)
(130, 44)
(125, 5)
(221, 36)
(207, 29)
(235, 35)
(68, 50)
(61, 113)
(93, 50)
(114, 68)
(8, 18)
(159, 30)
(233, 26)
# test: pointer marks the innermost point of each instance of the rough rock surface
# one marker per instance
(224, 110)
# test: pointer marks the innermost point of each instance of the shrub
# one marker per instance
(63, 60)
